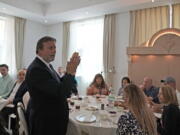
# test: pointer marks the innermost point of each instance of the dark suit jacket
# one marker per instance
(20, 93)
(49, 114)
(170, 121)
(73, 90)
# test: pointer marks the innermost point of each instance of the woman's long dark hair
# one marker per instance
(102, 85)
(125, 78)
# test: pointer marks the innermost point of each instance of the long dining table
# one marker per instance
(91, 115)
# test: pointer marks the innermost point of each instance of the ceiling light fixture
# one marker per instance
(152, 0)
(3, 8)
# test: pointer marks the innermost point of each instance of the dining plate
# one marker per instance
(86, 118)
(91, 108)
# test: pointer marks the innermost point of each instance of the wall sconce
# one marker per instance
(130, 58)
(112, 70)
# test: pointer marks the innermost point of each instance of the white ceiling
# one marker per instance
(54, 11)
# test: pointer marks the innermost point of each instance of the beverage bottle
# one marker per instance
(111, 97)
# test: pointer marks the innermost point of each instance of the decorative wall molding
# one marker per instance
(157, 58)
(164, 42)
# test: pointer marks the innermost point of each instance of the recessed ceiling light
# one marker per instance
(152, 0)
(3, 8)
(86, 13)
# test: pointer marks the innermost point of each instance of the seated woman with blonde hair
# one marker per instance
(98, 86)
(169, 124)
(139, 120)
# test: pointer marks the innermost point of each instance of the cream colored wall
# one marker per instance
(121, 43)
(156, 67)
(33, 31)
(56, 32)
(158, 60)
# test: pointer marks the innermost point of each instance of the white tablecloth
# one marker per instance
(102, 126)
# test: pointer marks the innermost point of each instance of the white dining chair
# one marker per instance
(23, 129)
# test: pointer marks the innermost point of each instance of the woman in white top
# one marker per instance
(124, 82)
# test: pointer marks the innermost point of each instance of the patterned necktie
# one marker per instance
(54, 73)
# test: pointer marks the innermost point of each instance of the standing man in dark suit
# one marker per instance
(49, 112)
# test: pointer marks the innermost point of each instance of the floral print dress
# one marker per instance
(128, 125)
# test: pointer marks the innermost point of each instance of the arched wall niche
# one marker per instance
(157, 58)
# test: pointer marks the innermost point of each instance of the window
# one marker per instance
(2, 25)
(7, 43)
(86, 37)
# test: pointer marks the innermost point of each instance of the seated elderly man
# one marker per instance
(6, 82)
(12, 97)
(150, 91)
(172, 82)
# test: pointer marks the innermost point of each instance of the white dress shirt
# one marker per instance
(46, 63)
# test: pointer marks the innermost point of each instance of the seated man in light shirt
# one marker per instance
(6, 82)
(150, 91)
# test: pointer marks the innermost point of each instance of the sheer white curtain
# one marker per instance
(86, 37)
(7, 43)
(108, 55)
